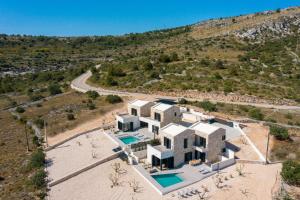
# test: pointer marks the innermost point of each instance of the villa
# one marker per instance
(180, 141)
(145, 114)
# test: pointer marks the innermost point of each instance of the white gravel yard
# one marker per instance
(94, 184)
(78, 153)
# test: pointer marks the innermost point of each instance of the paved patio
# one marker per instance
(190, 175)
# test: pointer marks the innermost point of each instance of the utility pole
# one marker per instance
(46, 138)
(27, 143)
(267, 162)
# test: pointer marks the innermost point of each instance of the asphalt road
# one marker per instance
(80, 85)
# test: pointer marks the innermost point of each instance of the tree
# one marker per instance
(54, 89)
(291, 172)
(280, 133)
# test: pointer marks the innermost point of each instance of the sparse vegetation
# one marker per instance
(280, 133)
(291, 172)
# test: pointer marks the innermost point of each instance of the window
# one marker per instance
(200, 141)
(157, 116)
(185, 143)
(167, 143)
(155, 129)
(133, 111)
(224, 150)
(223, 137)
(175, 114)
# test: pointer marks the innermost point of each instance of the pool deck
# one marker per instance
(142, 134)
(190, 174)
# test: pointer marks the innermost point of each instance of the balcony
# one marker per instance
(200, 147)
(159, 151)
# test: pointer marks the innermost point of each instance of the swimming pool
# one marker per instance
(166, 180)
(129, 139)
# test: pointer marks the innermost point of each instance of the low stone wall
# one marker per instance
(70, 138)
(222, 164)
(250, 161)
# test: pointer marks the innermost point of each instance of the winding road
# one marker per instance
(80, 84)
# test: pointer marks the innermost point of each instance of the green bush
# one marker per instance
(208, 106)
(291, 172)
(70, 116)
(54, 89)
(20, 109)
(92, 94)
(255, 113)
(39, 179)
(37, 159)
(113, 99)
(280, 133)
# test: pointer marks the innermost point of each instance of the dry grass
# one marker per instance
(55, 111)
(13, 159)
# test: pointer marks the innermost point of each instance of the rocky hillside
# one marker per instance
(256, 26)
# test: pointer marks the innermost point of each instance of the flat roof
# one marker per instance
(204, 127)
(162, 106)
(173, 129)
(138, 102)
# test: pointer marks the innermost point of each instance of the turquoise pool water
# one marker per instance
(129, 139)
(167, 180)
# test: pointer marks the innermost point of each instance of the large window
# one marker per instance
(200, 141)
(155, 129)
(157, 116)
(167, 143)
(133, 111)
(185, 143)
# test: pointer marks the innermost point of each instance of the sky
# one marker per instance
(116, 17)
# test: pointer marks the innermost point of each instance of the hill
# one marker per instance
(253, 55)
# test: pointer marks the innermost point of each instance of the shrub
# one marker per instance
(20, 109)
(183, 101)
(37, 159)
(147, 66)
(35, 97)
(35, 141)
(291, 172)
(39, 179)
(113, 99)
(280, 133)
(255, 113)
(91, 105)
(110, 81)
(92, 94)
(54, 89)
(164, 58)
(155, 142)
(174, 57)
(39, 123)
(70, 116)
(208, 106)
